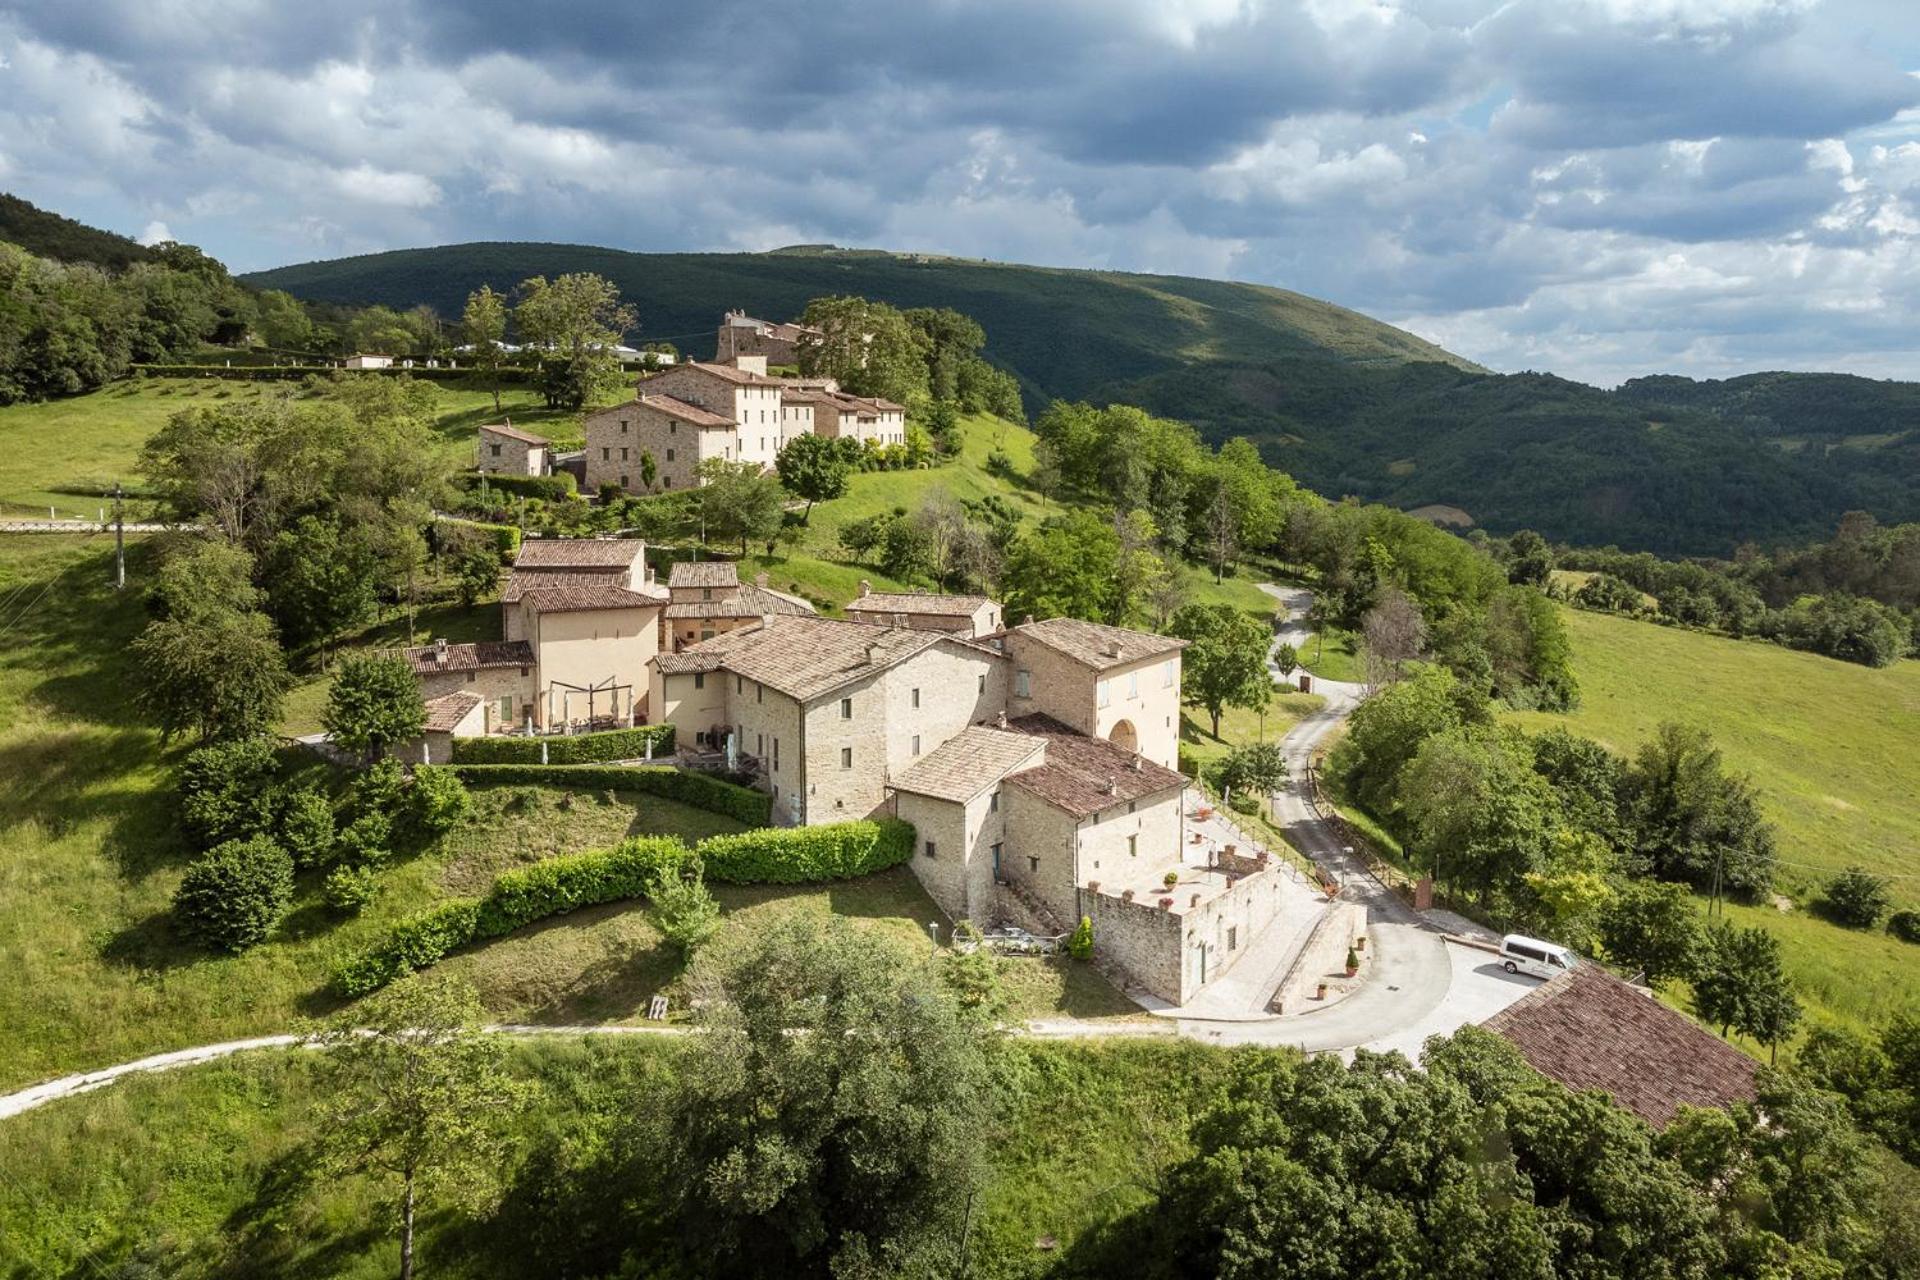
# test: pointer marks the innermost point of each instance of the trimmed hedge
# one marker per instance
(553, 488)
(579, 748)
(743, 804)
(798, 855)
(553, 887)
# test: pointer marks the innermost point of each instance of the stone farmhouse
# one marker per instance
(742, 335)
(708, 599)
(504, 449)
(580, 621)
(926, 611)
(735, 411)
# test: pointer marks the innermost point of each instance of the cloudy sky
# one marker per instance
(1596, 187)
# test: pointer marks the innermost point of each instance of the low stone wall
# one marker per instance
(1323, 958)
(1141, 937)
(1175, 951)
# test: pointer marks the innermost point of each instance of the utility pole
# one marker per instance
(119, 542)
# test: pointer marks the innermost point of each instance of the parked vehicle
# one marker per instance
(1536, 959)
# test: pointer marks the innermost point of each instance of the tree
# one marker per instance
(436, 801)
(1653, 926)
(483, 326)
(831, 1118)
(374, 705)
(738, 502)
(943, 426)
(868, 347)
(1690, 820)
(321, 579)
(1065, 568)
(283, 322)
(1857, 898)
(233, 894)
(684, 909)
(417, 1094)
(1256, 767)
(812, 467)
(218, 675)
(1529, 559)
(1387, 730)
(1479, 813)
(1396, 634)
(1741, 985)
(577, 320)
(224, 791)
(1225, 661)
(1286, 658)
(306, 827)
(476, 571)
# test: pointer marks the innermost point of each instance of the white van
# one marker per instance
(1533, 957)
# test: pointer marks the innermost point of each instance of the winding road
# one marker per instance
(1418, 984)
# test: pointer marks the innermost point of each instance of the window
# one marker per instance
(1033, 863)
(983, 682)
(930, 850)
(472, 676)
(1133, 846)
(623, 453)
(699, 679)
(739, 684)
(669, 457)
(1166, 674)
(916, 744)
(623, 478)
(776, 754)
(623, 426)
(1106, 692)
(606, 455)
(1233, 937)
(916, 699)
(706, 593)
(496, 450)
(993, 803)
(667, 481)
(846, 757)
(759, 744)
(706, 633)
(1023, 684)
(846, 708)
(759, 693)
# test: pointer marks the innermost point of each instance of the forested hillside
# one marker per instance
(1349, 405)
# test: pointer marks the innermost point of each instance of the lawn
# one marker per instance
(1334, 654)
(1831, 748)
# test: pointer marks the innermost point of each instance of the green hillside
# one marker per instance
(48, 234)
(1346, 403)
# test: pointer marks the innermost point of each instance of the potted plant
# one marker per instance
(1321, 993)
(1126, 895)
(1353, 962)
(1171, 879)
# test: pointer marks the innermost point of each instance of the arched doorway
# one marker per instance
(1125, 735)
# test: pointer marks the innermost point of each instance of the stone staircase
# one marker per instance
(1020, 907)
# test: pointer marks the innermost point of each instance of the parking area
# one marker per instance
(1477, 989)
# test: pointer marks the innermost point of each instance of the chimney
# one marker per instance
(1134, 764)
(1113, 648)
(1027, 621)
(866, 588)
(440, 650)
(1000, 721)
(766, 622)
(1112, 788)
(873, 655)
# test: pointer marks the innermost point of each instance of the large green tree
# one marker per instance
(374, 704)
(870, 348)
(209, 665)
(575, 321)
(1654, 927)
(483, 327)
(815, 468)
(738, 502)
(1225, 661)
(1691, 820)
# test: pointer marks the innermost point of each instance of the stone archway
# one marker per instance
(1125, 735)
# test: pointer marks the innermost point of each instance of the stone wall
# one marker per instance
(617, 437)
(1323, 957)
(692, 703)
(514, 684)
(1056, 685)
(1133, 839)
(504, 455)
(1218, 932)
(1144, 696)
(771, 728)
(1042, 851)
(1139, 936)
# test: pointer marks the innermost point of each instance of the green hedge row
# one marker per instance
(517, 898)
(743, 804)
(553, 488)
(296, 372)
(798, 855)
(579, 748)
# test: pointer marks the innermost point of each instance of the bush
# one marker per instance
(554, 488)
(579, 748)
(743, 804)
(517, 898)
(377, 788)
(223, 791)
(1857, 898)
(306, 827)
(366, 841)
(801, 855)
(349, 889)
(234, 894)
(1904, 925)
(437, 801)
(683, 907)
(1080, 945)
(1243, 802)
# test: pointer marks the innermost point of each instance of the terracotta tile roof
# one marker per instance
(445, 713)
(729, 373)
(968, 763)
(523, 580)
(685, 410)
(1096, 645)
(744, 601)
(428, 659)
(1085, 775)
(704, 573)
(514, 433)
(805, 395)
(917, 602)
(585, 598)
(805, 657)
(579, 553)
(1589, 1030)
(688, 661)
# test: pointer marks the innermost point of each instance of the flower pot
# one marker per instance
(1352, 969)
(1126, 895)
(1321, 992)
(1360, 943)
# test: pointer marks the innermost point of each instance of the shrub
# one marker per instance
(579, 748)
(799, 855)
(366, 841)
(1904, 925)
(683, 907)
(1857, 898)
(554, 488)
(743, 804)
(306, 827)
(223, 791)
(349, 889)
(437, 801)
(1080, 945)
(377, 788)
(1353, 959)
(1243, 802)
(234, 894)
(413, 943)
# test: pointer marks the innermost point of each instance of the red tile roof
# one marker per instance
(428, 659)
(1086, 775)
(685, 410)
(445, 713)
(579, 553)
(917, 602)
(1097, 645)
(514, 433)
(585, 598)
(704, 573)
(1589, 1030)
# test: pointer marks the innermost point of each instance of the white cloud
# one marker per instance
(155, 232)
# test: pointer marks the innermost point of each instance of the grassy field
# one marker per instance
(1830, 745)
(207, 1170)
